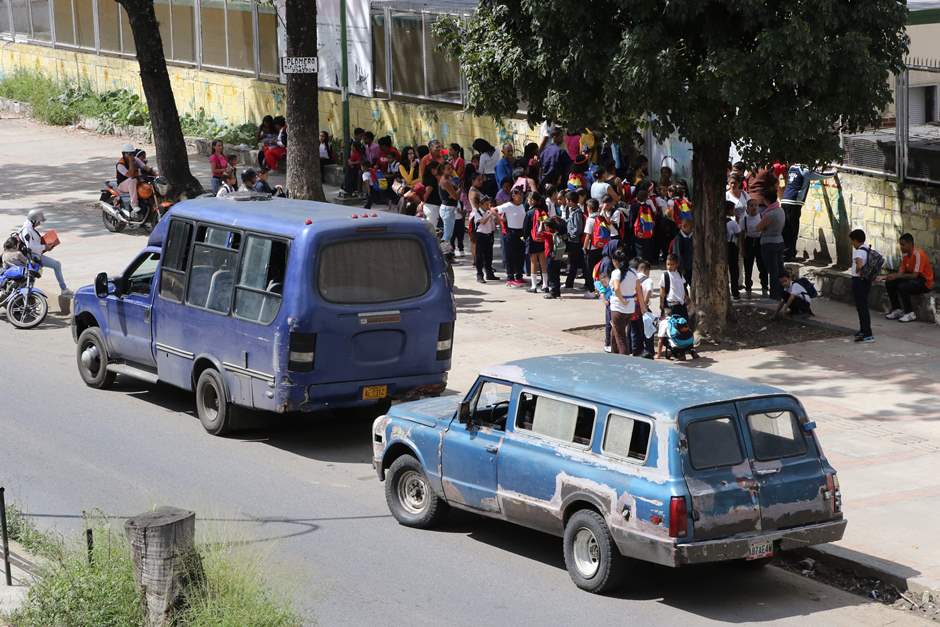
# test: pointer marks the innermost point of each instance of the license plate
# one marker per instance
(760, 548)
(374, 392)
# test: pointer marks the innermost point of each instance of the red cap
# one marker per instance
(779, 169)
(308, 221)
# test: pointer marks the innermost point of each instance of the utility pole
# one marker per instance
(344, 80)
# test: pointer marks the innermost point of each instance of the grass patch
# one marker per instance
(73, 591)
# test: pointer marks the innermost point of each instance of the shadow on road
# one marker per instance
(712, 591)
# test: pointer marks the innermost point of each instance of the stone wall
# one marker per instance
(236, 99)
(882, 208)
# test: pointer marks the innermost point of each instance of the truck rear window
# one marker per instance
(368, 271)
(713, 443)
(775, 434)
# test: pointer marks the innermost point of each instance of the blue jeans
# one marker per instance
(49, 262)
(449, 217)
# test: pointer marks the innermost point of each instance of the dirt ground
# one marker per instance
(754, 327)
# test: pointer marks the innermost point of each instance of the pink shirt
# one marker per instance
(218, 162)
(573, 145)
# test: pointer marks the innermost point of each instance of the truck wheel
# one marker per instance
(593, 560)
(93, 360)
(410, 497)
(212, 406)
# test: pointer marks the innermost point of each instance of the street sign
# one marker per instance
(299, 65)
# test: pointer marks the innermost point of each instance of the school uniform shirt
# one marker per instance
(740, 203)
(627, 290)
(732, 228)
(589, 230)
(225, 190)
(481, 227)
(800, 292)
(647, 284)
(513, 214)
(599, 189)
(859, 253)
(676, 294)
(749, 225)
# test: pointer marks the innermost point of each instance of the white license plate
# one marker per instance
(760, 548)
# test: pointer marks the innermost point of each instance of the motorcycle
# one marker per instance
(26, 306)
(116, 211)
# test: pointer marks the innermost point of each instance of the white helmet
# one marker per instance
(36, 216)
(127, 148)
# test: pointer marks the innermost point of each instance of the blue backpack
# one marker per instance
(679, 332)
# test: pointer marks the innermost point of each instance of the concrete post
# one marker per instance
(162, 546)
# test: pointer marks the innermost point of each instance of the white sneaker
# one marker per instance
(606, 349)
(894, 314)
(908, 317)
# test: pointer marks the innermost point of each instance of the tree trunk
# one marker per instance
(172, 157)
(710, 286)
(162, 547)
(303, 119)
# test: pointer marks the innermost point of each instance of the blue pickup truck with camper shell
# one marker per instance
(274, 304)
(622, 458)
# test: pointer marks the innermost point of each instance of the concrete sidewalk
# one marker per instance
(21, 566)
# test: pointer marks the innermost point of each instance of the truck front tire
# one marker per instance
(409, 494)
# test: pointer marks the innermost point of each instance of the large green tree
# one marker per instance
(776, 78)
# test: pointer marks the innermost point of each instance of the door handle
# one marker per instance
(492, 448)
(766, 471)
(147, 315)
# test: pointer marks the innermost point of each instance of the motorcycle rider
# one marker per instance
(127, 169)
(37, 248)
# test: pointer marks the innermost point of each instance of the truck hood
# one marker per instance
(430, 412)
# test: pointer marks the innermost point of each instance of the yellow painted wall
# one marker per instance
(236, 99)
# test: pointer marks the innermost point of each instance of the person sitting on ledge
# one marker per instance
(915, 277)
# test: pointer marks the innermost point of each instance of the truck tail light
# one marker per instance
(303, 347)
(678, 517)
(833, 494)
(445, 340)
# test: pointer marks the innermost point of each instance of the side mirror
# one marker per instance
(101, 285)
(464, 414)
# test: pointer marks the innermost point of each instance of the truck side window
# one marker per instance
(713, 443)
(175, 261)
(261, 279)
(492, 404)
(139, 279)
(775, 434)
(626, 437)
(556, 419)
(212, 276)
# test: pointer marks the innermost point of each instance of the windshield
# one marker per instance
(377, 270)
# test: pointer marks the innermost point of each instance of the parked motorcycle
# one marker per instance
(116, 211)
(26, 306)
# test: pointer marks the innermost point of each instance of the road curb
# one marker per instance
(903, 578)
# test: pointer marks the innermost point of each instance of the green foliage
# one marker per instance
(777, 79)
(201, 125)
(73, 592)
(60, 103)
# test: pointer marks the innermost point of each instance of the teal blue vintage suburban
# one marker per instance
(623, 458)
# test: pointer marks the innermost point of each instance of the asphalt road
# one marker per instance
(302, 493)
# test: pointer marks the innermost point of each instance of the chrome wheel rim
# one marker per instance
(413, 492)
(25, 309)
(587, 555)
(91, 358)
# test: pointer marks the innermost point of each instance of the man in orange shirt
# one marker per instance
(914, 277)
(434, 154)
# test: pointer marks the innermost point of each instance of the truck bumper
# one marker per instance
(317, 396)
(737, 548)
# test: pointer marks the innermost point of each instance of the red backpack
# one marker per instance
(645, 222)
(601, 234)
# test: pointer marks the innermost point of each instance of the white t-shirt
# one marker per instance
(488, 162)
(627, 290)
(514, 214)
(799, 291)
(676, 293)
(859, 253)
(33, 240)
(599, 189)
(740, 204)
(647, 284)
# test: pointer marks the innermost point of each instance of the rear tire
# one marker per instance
(111, 223)
(410, 497)
(95, 372)
(26, 311)
(593, 560)
(212, 406)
